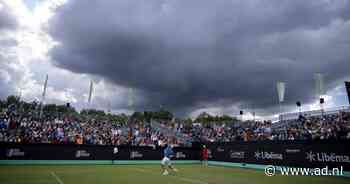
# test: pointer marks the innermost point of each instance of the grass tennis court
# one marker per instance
(144, 174)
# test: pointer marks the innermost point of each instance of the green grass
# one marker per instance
(144, 174)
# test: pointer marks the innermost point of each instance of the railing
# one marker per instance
(328, 111)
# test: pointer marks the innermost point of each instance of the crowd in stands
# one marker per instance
(72, 131)
(333, 126)
(15, 127)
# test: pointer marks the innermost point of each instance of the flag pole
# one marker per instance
(130, 102)
(320, 89)
(43, 96)
(90, 94)
(280, 107)
(281, 87)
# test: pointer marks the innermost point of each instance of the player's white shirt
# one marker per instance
(166, 161)
(115, 150)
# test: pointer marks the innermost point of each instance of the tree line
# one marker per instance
(15, 105)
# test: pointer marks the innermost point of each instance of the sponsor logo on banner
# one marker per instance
(237, 154)
(220, 149)
(292, 150)
(135, 154)
(210, 154)
(15, 152)
(326, 157)
(264, 155)
(82, 153)
(180, 155)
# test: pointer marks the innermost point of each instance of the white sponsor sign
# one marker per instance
(237, 154)
(82, 153)
(15, 152)
(180, 155)
(326, 157)
(135, 154)
(220, 149)
(210, 154)
(292, 150)
(263, 155)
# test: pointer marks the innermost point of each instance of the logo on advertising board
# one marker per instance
(180, 155)
(292, 150)
(82, 153)
(14, 152)
(210, 154)
(264, 155)
(135, 154)
(237, 154)
(326, 157)
(220, 149)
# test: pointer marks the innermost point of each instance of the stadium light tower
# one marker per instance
(321, 105)
(241, 114)
(253, 111)
(319, 83)
(347, 87)
(299, 107)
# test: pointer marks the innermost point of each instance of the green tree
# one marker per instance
(138, 116)
(12, 100)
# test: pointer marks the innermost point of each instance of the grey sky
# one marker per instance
(188, 55)
(185, 53)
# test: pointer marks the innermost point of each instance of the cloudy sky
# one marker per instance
(187, 56)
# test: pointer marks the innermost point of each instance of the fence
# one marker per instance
(328, 111)
(283, 153)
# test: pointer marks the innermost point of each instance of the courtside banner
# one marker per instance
(286, 153)
(10, 151)
(54, 152)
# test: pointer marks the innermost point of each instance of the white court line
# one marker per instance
(178, 177)
(58, 179)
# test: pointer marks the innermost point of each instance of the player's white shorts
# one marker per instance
(166, 161)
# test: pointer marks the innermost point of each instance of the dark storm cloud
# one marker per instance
(182, 53)
(7, 20)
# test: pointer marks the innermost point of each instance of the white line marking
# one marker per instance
(178, 177)
(58, 179)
